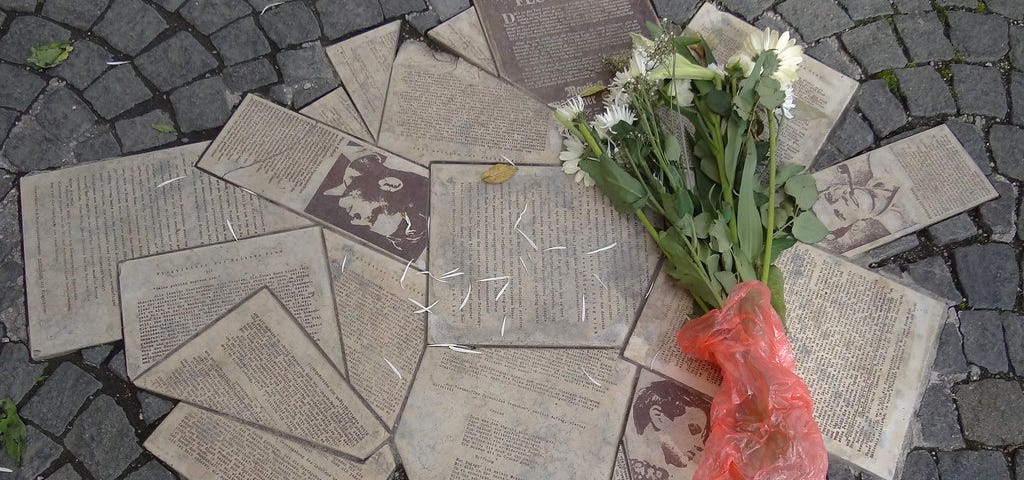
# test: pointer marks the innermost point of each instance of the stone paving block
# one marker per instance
(153, 407)
(86, 63)
(973, 140)
(851, 135)
(920, 466)
(3, 17)
(676, 11)
(957, 3)
(880, 107)
(208, 16)
(12, 285)
(307, 73)
(152, 470)
(30, 147)
(290, 24)
(1016, 37)
(1012, 9)
(988, 274)
(748, 9)
(259, 5)
(998, 215)
(203, 105)
(1017, 97)
(130, 25)
(933, 275)
(7, 119)
(449, 8)
(815, 19)
(839, 471)
(175, 61)
(923, 35)
(27, 6)
(63, 114)
(249, 76)
(169, 5)
(240, 41)
(895, 247)
(830, 53)
(421, 21)
(926, 93)
(981, 37)
(26, 32)
(1007, 144)
(979, 90)
(1019, 461)
(862, 9)
(1013, 330)
(67, 472)
(397, 8)
(953, 229)
(984, 345)
(937, 418)
(63, 393)
(339, 19)
(103, 439)
(20, 87)
(118, 366)
(38, 453)
(98, 147)
(80, 14)
(775, 21)
(875, 47)
(116, 91)
(968, 465)
(6, 185)
(990, 412)
(17, 373)
(96, 355)
(138, 133)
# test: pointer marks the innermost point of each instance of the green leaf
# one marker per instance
(50, 55)
(745, 268)
(785, 172)
(626, 193)
(727, 279)
(781, 244)
(720, 102)
(775, 285)
(803, 189)
(654, 28)
(12, 430)
(734, 131)
(673, 150)
(749, 230)
(808, 229)
(770, 92)
(162, 128)
(677, 206)
(719, 233)
(702, 224)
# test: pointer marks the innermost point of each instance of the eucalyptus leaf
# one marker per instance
(702, 224)
(808, 229)
(720, 102)
(672, 148)
(626, 193)
(162, 128)
(787, 171)
(803, 190)
(12, 430)
(50, 55)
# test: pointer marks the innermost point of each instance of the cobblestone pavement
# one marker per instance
(922, 63)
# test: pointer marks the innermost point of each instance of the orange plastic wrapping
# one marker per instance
(762, 424)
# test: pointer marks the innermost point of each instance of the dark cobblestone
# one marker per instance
(953, 229)
(989, 275)
(208, 16)
(249, 76)
(27, 6)
(998, 215)
(12, 299)
(920, 466)
(875, 47)
(240, 41)
(1007, 144)
(30, 147)
(103, 439)
(973, 140)
(67, 472)
(117, 91)
(17, 374)
(967, 465)
(169, 5)
(96, 355)
(153, 407)
(862, 9)
(980, 37)
(138, 133)
(933, 275)
(949, 358)
(20, 87)
(396, 8)
(984, 345)
(922, 33)
(130, 25)
(63, 393)
(118, 367)
(76, 13)
(290, 24)
(64, 115)
(1013, 330)
(775, 21)
(7, 119)
(202, 105)
(98, 147)
(990, 413)
(937, 418)
(1012, 9)
(1017, 97)
(829, 52)
(423, 21)
(175, 61)
(39, 452)
(839, 471)
(676, 11)
(748, 9)
(449, 8)
(852, 135)
(308, 75)
(979, 90)
(151, 471)
(815, 19)
(926, 93)
(342, 18)
(881, 107)
(890, 249)
(27, 32)
(85, 65)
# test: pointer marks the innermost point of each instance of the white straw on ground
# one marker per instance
(118, 62)
(343, 262)
(520, 219)
(268, 7)
(595, 382)
(609, 247)
(231, 229)
(464, 300)
(649, 290)
(510, 162)
(583, 308)
(422, 308)
(600, 281)
(168, 182)
(504, 318)
(528, 239)
(554, 248)
(491, 279)
(502, 291)
(524, 265)
(393, 369)
(401, 281)
(456, 348)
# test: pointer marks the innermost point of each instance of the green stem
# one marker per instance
(647, 224)
(772, 140)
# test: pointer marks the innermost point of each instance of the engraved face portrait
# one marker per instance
(385, 206)
(669, 423)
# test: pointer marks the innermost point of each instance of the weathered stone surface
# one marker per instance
(116, 91)
(988, 274)
(875, 47)
(342, 18)
(1012, 9)
(96, 355)
(129, 25)
(852, 134)
(169, 5)
(138, 133)
(39, 452)
(153, 406)
(396, 8)
(957, 3)
(152, 470)
(103, 439)
(202, 105)
(920, 466)
(118, 366)
(748, 9)
(421, 21)
(249, 76)
(20, 87)
(990, 412)
(67, 472)
(937, 419)
(973, 140)
(27, 32)
(880, 107)
(968, 465)
(1013, 330)
(7, 119)
(17, 373)
(98, 147)
(923, 35)
(775, 21)
(175, 61)
(890, 249)
(1007, 144)
(1017, 46)
(830, 53)
(998, 215)
(1017, 96)
(308, 75)
(449, 8)
(981, 37)
(60, 398)
(926, 93)
(861, 9)
(63, 115)
(259, 5)
(838, 471)
(77, 13)
(12, 283)
(815, 19)
(86, 63)
(953, 229)
(30, 147)
(983, 340)
(290, 24)
(932, 274)
(27, 6)
(979, 90)
(208, 16)
(240, 41)
(676, 11)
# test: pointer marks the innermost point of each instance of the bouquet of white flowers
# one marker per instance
(726, 211)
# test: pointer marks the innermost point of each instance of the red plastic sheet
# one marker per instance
(762, 426)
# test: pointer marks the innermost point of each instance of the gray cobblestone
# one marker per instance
(116, 91)
(980, 37)
(67, 472)
(953, 229)
(830, 53)
(103, 439)
(7, 119)
(990, 413)
(64, 115)
(852, 135)
(1016, 37)
(202, 105)
(208, 16)
(63, 393)
(933, 275)
(839, 471)
(290, 24)
(908, 6)
(676, 11)
(968, 465)
(937, 419)
(175, 61)
(998, 215)
(988, 274)
(815, 19)
(1007, 144)
(1013, 330)
(30, 147)
(17, 374)
(923, 35)
(984, 344)
(20, 87)
(775, 21)
(926, 93)
(96, 355)
(152, 470)
(130, 25)
(979, 90)
(85, 65)
(449, 8)
(98, 147)
(153, 407)
(342, 18)
(973, 140)
(26, 32)
(881, 107)
(76, 13)
(12, 300)
(862, 9)
(920, 466)
(240, 41)
(27, 6)
(1012, 9)
(308, 75)
(169, 5)
(890, 249)
(39, 452)
(748, 9)
(423, 21)
(875, 47)
(249, 76)
(138, 133)
(118, 366)
(396, 8)
(1017, 97)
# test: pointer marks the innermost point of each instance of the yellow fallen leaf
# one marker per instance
(499, 173)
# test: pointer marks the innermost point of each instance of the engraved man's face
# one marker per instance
(682, 437)
(364, 198)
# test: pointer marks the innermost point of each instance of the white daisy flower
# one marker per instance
(571, 157)
(714, 67)
(785, 48)
(743, 62)
(790, 103)
(570, 108)
(680, 92)
(613, 114)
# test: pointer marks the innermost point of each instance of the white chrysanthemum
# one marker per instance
(639, 63)
(718, 69)
(679, 91)
(616, 96)
(743, 62)
(571, 157)
(570, 108)
(785, 48)
(613, 114)
(790, 103)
